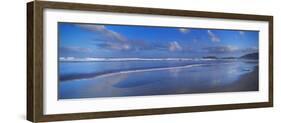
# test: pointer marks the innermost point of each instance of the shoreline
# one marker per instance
(113, 72)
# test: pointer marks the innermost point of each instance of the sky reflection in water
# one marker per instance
(210, 76)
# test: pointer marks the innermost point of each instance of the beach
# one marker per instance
(139, 78)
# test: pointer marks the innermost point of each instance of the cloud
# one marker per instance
(174, 46)
(221, 49)
(112, 40)
(230, 49)
(241, 32)
(184, 30)
(102, 30)
(195, 41)
(109, 39)
(75, 49)
(214, 38)
(250, 50)
(114, 46)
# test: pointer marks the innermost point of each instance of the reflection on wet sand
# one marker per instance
(230, 77)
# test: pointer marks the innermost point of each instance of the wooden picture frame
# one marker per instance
(35, 60)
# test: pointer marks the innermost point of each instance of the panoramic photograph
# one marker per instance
(103, 61)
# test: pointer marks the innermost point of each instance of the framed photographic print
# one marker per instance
(89, 61)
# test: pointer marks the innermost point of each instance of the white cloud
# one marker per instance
(232, 48)
(111, 39)
(184, 30)
(175, 46)
(222, 49)
(213, 37)
(77, 49)
(241, 32)
(194, 40)
(104, 31)
(250, 50)
(116, 46)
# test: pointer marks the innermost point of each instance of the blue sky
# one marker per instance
(93, 40)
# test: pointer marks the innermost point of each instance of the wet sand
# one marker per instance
(187, 81)
(76, 76)
(247, 82)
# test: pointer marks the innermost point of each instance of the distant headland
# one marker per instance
(252, 56)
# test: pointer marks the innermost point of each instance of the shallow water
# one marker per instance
(141, 78)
